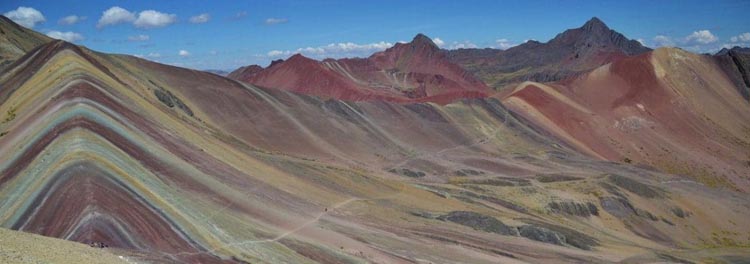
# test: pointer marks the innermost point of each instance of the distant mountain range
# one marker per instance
(407, 72)
(218, 72)
(569, 53)
(419, 69)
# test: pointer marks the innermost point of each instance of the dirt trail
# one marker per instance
(294, 230)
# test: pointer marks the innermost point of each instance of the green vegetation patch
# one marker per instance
(170, 100)
(11, 115)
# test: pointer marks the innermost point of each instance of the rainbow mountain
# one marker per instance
(170, 165)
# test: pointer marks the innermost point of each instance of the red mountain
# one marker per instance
(417, 71)
(245, 71)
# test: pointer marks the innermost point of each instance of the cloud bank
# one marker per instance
(26, 16)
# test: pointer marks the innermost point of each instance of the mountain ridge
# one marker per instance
(569, 53)
(407, 72)
(736, 63)
(16, 41)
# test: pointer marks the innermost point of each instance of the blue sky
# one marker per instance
(229, 34)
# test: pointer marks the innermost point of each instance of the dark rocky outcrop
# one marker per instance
(541, 234)
(170, 100)
(498, 181)
(574, 208)
(633, 186)
(534, 230)
(467, 172)
(479, 222)
(736, 63)
(547, 178)
(427, 215)
(407, 172)
(570, 237)
(498, 201)
(677, 211)
(646, 214)
(622, 208)
(617, 206)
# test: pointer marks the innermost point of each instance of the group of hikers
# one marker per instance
(98, 245)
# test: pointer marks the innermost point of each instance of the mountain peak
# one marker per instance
(594, 24)
(423, 40)
(735, 49)
(298, 57)
(245, 72)
(422, 37)
(595, 34)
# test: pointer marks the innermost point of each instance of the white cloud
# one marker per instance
(274, 21)
(662, 41)
(154, 55)
(642, 41)
(66, 36)
(701, 37)
(439, 42)
(70, 20)
(335, 50)
(701, 41)
(199, 19)
(183, 53)
(504, 44)
(26, 16)
(154, 19)
(744, 37)
(139, 38)
(275, 53)
(463, 45)
(115, 15)
(240, 15)
(145, 19)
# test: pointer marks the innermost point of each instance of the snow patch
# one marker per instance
(641, 107)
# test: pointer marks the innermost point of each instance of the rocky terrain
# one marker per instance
(568, 54)
(170, 165)
(735, 63)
